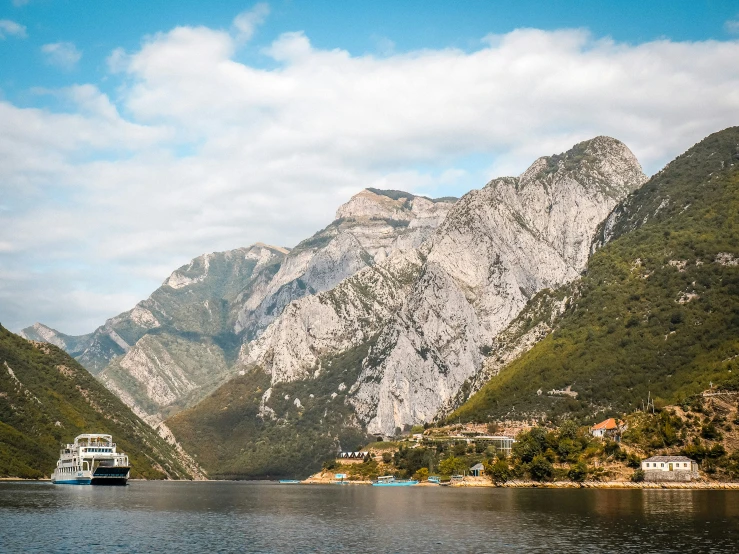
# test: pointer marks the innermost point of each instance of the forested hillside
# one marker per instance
(658, 309)
(47, 398)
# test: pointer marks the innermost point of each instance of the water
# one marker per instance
(267, 517)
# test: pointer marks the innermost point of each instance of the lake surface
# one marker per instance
(267, 517)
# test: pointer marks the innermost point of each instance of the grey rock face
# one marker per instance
(173, 348)
(494, 251)
(367, 229)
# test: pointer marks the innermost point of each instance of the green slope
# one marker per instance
(231, 440)
(47, 398)
(657, 311)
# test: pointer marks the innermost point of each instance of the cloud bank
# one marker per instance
(200, 152)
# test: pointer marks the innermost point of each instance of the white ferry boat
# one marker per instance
(91, 460)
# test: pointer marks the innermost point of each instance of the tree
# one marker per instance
(529, 444)
(387, 457)
(540, 468)
(499, 471)
(422, 474)
(638, 476)
(453, 465)
(578, 472)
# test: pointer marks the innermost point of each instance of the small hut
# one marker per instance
(477, 470)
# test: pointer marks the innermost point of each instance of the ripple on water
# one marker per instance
(265, 517)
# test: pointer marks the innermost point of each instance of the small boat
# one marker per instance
(289, 482)
(91, 460)
(391, 481)
(435, 480)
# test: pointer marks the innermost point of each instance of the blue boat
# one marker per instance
(289, 482)
(391, 481)
(434, 479)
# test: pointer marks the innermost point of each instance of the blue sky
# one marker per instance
(98, 27)
(135, 136)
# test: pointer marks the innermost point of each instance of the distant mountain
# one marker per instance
(174, 348)
(47, 398)
(657, 313)
(179, 344)
(494, 251)
(403, 339)
(367, 229)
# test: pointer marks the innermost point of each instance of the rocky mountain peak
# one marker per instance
(369, 203)
(602, 164)
(198, 268)
(42, 333)
(392, 204)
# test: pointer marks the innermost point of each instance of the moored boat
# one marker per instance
(92, 459)
(391, 481)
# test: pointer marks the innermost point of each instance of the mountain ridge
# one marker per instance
(655, 314)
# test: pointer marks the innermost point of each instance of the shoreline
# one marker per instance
(480, 483)
(698, 485)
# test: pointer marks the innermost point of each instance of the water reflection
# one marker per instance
(248, 517)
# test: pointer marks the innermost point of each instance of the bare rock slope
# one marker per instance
(496, 249)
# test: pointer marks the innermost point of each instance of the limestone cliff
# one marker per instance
(496, 248)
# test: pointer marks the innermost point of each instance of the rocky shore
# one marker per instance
(482, 482)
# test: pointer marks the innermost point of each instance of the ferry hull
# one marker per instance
(110, 476)
(80, 481)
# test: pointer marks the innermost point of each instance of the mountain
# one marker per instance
(179, 344)
(367, 229)
(194, 299)
(496, 248)
(400, 340)
(47, 398)
(174, 348)
(656, 314)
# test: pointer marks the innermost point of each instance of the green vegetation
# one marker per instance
(657, 311)
(305, 423)
(47, 398)
(399, 194)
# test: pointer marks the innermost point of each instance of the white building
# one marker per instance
(669, 468)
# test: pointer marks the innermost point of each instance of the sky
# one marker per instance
(137, 135)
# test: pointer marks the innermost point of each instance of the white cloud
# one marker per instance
(247, 22)
(732, 26)
(213, 154)
(62, 54)
(19, 3)
(11, 28)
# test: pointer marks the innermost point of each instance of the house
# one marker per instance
(669, 468)
(477, 470)
(609, 428)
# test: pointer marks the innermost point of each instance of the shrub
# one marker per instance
(540, 468)
(709, 432)
(499, 471)
(638, 476)
(578, 472)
